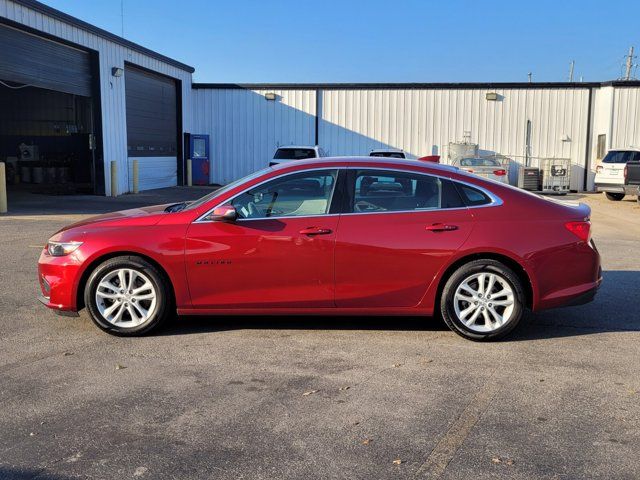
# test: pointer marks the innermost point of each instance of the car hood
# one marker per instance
(134, 216)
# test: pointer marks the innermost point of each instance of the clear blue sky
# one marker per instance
(377, 41)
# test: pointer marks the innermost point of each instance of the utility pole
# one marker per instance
(571, 65)
(627, 75)
(530, 75)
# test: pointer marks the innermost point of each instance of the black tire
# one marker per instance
(615, 197)
(447, 307)
(160, 311)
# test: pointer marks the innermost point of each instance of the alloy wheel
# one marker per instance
(126, 297)
(484, 302)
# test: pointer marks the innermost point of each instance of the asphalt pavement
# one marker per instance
(316, 397)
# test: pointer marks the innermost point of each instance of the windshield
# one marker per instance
(479, 162)
(621, 156)
(294, 153)
(226, 188)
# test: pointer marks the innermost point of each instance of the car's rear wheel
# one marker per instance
(482, 300)
(616, 197)
(127, 296)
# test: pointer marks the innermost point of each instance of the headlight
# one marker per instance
(60, 249)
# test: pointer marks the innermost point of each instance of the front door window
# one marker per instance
(297, 195)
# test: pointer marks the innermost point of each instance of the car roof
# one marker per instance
(374, 162)
(298, 146)
(627, 149)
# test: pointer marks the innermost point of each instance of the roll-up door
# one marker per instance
(32, 60)
(152, 127)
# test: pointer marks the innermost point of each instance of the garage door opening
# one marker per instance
(47, 119)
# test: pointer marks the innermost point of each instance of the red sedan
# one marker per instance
(353, 236)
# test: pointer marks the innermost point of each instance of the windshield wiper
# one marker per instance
(176, 207)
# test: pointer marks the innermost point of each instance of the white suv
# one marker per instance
(611, 174)
(388, 153)
(296, 152)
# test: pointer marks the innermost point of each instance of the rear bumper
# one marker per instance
(583, 298)
(559, 285)
(578, 295)
(617, 188)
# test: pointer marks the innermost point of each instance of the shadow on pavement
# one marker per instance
(8, 473)
(609, 312)
(24, 203)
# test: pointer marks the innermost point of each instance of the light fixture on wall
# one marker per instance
(491, 96)
(117, 71)
(270, 96)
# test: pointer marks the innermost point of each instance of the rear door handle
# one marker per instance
(441, 227)
(315, 231)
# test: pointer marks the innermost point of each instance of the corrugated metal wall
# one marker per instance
(626, 118)
(245, 128)
(112, 89)
(423, 122)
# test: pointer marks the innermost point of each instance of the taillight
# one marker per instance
(625, 173)
(500, 173)
(582, 230)
(599, 169)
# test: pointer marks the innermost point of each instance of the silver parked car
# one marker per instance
(490, 168)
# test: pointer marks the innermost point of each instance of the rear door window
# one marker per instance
(395, 191)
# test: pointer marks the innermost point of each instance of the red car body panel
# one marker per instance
(261, 263)
(369, 263)
(382, 260)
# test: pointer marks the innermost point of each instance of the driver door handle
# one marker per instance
(441, 227)
(315, 231)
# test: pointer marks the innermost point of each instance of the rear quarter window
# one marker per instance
(472, 197)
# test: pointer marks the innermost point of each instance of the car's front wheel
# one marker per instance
(616, 197)
(482, 300)
(127, 296)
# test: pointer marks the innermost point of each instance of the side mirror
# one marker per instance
(225, 213)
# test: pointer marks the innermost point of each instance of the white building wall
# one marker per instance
(111, 54)
(424, 121)
(626, 117)
(245, 129)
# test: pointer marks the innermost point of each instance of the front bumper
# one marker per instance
(58, 278)
(64, 313)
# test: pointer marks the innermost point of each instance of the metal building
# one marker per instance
(524, 122)
(76, 98)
